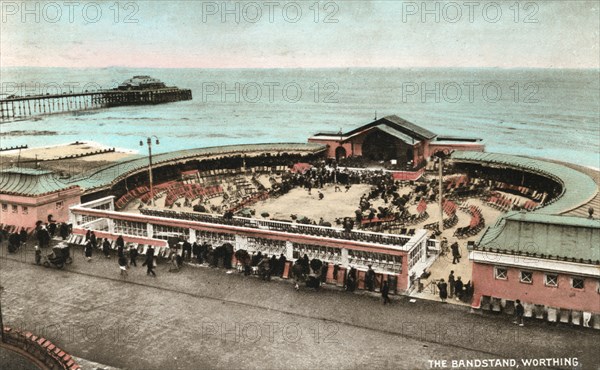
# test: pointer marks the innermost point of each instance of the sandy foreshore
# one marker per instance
(52, 157)
(62, 150)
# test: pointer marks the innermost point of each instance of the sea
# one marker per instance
(550, 113)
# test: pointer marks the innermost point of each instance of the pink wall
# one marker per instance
(332, 145)
(38, 208)
(563, 296)
(403, 277)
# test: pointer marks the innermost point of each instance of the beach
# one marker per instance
(90, 155)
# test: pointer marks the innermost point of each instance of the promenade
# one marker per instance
(207, 318)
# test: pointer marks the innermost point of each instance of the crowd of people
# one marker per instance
(455, 287)
(43, 232)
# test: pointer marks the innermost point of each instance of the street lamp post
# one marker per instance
(149, 143)
(441, 181)
(2, 338)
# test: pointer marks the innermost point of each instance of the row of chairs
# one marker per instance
(476, 224)
(131, 195)
(415, 219)
(190, 192)
(249, 200)
(522, 190)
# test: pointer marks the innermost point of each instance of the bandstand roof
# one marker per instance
(397, 134)
(393, 125)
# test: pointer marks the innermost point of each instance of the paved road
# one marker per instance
(206, 318)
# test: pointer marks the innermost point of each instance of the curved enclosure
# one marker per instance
(565, 188)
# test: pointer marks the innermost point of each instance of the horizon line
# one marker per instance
(337, 67)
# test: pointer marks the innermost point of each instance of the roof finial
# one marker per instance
(375, 115)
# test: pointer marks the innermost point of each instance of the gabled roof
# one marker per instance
(396, 123)
(29, 181)
(549, 235)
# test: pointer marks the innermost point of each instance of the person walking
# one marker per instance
(93, 239)
(43, 237)
(14, 242)
(385, 290)
(149, 262)
(282, 261)
(455, 253)
(133, 253)
(87, 250)
(370, 279)
(458, 288)
(519, 312)
(123, 266)
(120, 242)
(38, 255)
(196, 251)
(451, 284)
(23, 236)
(120, 251)
(106, 248)
(64, 230)
(187, 250)
(443, 287)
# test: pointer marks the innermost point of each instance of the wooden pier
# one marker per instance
(24, 107)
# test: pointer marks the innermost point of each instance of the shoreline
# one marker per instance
(93, 144)
(65, 149)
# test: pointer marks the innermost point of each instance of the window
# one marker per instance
(551, 280)
(4, 207)
(501, 273)
(15, 209)
(577, 283)
(59, 205)
(526, 277)
(130, 228)
(25, 210)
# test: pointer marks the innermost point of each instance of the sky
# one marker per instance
(300, 34)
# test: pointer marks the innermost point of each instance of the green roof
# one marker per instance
(107, 175)
(550, 235)
(26, 171)
(29, 181)
(578, 187)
